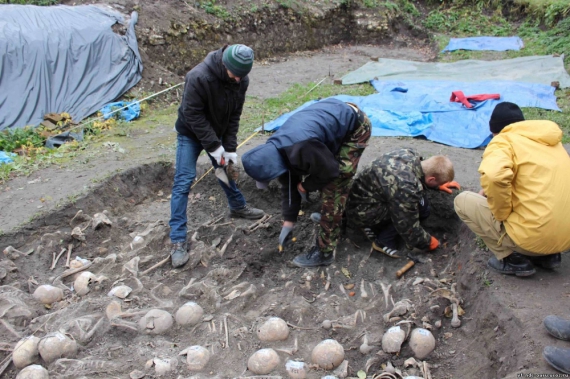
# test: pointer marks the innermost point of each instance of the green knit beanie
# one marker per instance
(238, 59)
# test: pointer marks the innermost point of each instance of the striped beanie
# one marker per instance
(238, 59)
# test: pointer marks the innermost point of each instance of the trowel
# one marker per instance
(222, 174)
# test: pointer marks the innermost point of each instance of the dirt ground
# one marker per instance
(237, 276)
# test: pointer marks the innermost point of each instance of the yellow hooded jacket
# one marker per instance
(525, 173)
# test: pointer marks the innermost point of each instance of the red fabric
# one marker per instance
(459, 97)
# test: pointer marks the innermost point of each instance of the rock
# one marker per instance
(263, 361)
(48, 294)
(189, 314)
(328, 354)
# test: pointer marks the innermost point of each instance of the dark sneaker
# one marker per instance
(547, 261)
(558, 357)
(313, 258)
(179, 254)
(247, 212)
(515, 264)
(558, 327)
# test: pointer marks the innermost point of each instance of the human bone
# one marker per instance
(189, 314)
(392, 340)
(328, 354)
(274, 329)
(100, 219)
(422, 342)
(82, 282)
(33, 372)
(327, 324)
(48, 294)
(56, 345)
(455, 322)
(156, 321)
(400, 308)
(197, 357)
(25, 352)
(263, 361)
(120, 291)
(163, 366)
(77, 233)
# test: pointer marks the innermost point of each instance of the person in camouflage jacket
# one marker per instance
(388, 199)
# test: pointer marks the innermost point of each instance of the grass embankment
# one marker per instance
(544, 28)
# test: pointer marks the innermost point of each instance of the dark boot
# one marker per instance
(515, 264)
(558, 327)
(247, 212)
(558, 357)
(313, 258)
(547, 261)
(179, 254)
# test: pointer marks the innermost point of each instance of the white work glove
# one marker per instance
(218, 155)
(230, 157)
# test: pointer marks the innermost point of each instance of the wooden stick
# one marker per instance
(162, 262)
(72, 271)
(68, 255)
(57, 259)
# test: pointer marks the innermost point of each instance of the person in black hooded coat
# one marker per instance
(208, 119)
(317, 148)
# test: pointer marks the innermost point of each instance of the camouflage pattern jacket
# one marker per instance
(391, 189)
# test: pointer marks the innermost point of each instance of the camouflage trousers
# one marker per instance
(335, 194)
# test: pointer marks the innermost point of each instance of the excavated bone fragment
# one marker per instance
(33, 372)
(296, 370)
(56, 345)
(274, 329)
(393, 339)
(364, 347)
(120, 291)
(342, 370)
(197, 357)
(132, 266)
(400, 309)
(77, 233)
(79, 218)
(263, 361)
(156, 321)
(163, 367)
(137, 374)
(100, 219)
(82, 282)
(189, 314)
(26, 352)
(327, 324)
(422, 342)
(328, 354)
(47, 294)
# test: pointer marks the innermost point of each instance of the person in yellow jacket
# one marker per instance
(522, 212)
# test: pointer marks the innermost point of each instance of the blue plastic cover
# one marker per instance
(63, 59)
(423, 108)
(484, 43)
(132, 110)
(6, 157)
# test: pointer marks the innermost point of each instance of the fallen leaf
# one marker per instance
(345, 272)
(349, 286)
(361, 374)
(351, 293)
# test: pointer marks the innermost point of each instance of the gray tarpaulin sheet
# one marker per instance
(63, 59)
(535, 69)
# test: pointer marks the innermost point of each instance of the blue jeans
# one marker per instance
(187, 152)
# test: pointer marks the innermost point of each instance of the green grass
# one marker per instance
(257, 111)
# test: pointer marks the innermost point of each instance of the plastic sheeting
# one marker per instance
(535, 69)
(485, 43)
(132, 110)
(62, 59)
(423, 108)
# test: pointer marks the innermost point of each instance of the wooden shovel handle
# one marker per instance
(403, 270)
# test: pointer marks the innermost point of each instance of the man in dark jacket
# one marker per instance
(388, 199)
(208, 119)
(318, 148)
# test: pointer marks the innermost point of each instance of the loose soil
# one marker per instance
(500, 334)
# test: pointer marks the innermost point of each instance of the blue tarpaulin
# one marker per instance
(6, 157)
(485, 43)
(132, 110)
(423, 108)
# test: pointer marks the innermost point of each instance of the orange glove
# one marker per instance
(446, 187)
(433, 243)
